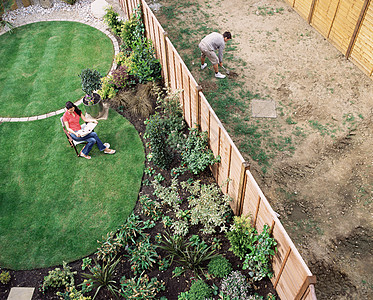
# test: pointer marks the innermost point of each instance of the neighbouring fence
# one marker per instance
(292, 279)
(347, 24)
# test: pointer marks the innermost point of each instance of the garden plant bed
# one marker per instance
(173, 286)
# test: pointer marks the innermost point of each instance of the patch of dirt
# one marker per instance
(323, 191)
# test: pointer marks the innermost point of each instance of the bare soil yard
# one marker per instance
(314, 161)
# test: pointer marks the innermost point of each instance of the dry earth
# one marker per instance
(323, 191)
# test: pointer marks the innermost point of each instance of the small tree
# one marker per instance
(91, 81)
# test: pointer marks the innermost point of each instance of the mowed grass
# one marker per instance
(54, 206)
(40, 64)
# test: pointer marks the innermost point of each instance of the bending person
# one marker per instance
(71, 120)
(211, 43)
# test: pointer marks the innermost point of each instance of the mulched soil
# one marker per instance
(34, 278)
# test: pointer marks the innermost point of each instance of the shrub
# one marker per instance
(143, 256)
(190, 255)
(150, 207)
(169, 196)
(72, 294)
(199, 290)
(196, 154)
(140, 288)
(131, 31)
(107, 90)
(58, 278)
(241, 236)
(235, 286)
(101, 276)
(207, 206)
(258, 261)
(154, 132)
(4, 277)
(219, 266)
(120, 77)
(142, 62)
(91, 81)
(112, 20)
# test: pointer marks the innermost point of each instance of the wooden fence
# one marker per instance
(292, 279)
(347, 24)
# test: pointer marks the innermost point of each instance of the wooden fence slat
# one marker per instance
(309, 280)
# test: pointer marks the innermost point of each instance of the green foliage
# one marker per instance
(4, 277)
(132, 30)
(196, 154)
(58, 278)
(128, 233)
(143, 256)
(189, 255)
(112, 20)
(107, 90)
(72, 293)
(241, 236)
(235, 286)
(150, 207)
(258, 260)
(142, 62)
(86, 262)
(71, 2)
(5, 6)
(219, 266)
(169, 196)
(155, 133)
(199, 290)
(208, 206)
(91, 81)
(140, 288)
(102, 276)
(120, 77)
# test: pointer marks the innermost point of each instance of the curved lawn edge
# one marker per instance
(98, 26)
(55, 206)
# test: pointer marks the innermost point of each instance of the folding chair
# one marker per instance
(72, 142)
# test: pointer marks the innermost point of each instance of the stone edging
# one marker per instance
(100, 27)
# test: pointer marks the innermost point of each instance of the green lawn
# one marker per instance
(54, 206)
(40, 63)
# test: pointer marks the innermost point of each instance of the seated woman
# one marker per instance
(71, 120)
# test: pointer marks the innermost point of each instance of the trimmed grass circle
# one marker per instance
(54, 206)
(40, 64)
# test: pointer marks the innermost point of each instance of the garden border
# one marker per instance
(100, 27)
(292, 278)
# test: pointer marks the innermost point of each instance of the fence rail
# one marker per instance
(292, 278)
(347, 24)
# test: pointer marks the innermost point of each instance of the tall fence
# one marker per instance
(292, 278)
(347, 24)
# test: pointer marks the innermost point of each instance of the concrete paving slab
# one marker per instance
(263, 108)
(21, 293)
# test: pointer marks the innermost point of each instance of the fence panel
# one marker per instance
(362, 52)
(303, 7)
(323, 15)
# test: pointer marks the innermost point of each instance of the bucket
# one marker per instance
(94, 110)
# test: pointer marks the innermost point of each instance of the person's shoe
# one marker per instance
(203, 66)
(219, 75)
(107, 145)
(109, 151)
(85, 156)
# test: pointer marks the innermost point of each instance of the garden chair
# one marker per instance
(69, 138)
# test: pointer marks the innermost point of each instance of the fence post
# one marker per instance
(241, 187)
(282, 267)
(257, 210)
(357, 27)
(166, 67)
(198, 106)
(310, 15)
(309, 280)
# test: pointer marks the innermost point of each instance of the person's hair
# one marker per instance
(227, 35)
(69, 105)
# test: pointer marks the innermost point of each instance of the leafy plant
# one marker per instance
(91, 81)
(102, 276)
(4, 277)
(169, 196)
(199, 290)
(196, 154)
(235, 286)
(208, 206)
(5, 6)
(86, 262)
(58, 278)
(189, 256)
(143, 256)
(155, 133)
(150, 207)
(180, 227)
(159, 177)
(132, 30)
(120, 77)
(140, 288)
(164, 264)
(258, 260)
(111, 18)
(72, 293)
(107, 90)
(219, 266)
